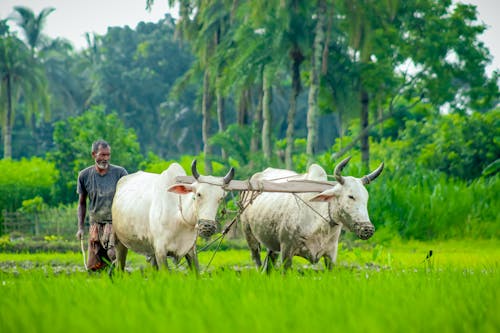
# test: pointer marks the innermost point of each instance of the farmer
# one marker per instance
(98, 183)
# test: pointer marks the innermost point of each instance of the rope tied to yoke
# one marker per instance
(242, 204)
(330, 219)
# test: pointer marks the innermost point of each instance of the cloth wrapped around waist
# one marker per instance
(101, 246)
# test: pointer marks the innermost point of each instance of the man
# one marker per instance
(98, 184)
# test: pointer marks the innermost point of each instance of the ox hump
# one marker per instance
(272, 174)
(316, 172)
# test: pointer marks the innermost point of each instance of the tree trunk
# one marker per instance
(365, 144)
(312, 111)
(221, 118)
(290, 132)
(297, 60)
(256, 124)
(266, 115)
(243, 107)
(7, 143)
(205, 130)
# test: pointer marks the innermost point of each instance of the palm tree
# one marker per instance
(316, 56)
(22, 75)
(19, 77)
(294, 39)
(32, 26)
(204, 24)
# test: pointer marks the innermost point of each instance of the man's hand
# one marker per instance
(79, 234)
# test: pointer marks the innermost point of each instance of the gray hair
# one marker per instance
(99, 144)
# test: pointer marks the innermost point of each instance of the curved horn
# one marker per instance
(229, 176)
(194, 171)
(370, 177)
(338, 170)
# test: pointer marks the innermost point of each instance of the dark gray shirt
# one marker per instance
(100, 189)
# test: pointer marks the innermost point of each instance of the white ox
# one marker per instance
(308, 225)
(154, 216)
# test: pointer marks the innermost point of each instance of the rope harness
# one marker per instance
(330, 220)
(246, 199)
(183, 219)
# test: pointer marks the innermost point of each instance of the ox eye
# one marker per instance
(351, 197)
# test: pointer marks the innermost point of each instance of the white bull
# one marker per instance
(307, 225)
(154, 216)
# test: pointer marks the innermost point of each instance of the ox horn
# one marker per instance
(194, 171)
(338, 170)
(370, 177)
(229, 176)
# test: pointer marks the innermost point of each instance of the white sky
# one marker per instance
(73, 18)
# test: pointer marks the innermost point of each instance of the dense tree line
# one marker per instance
(254, 83)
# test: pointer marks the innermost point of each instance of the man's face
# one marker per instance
(102, 158)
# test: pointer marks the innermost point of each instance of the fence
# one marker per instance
(57, 222)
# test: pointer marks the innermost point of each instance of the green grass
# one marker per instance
(429, 205)
(374, 288)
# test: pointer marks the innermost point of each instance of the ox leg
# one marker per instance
(192, 260)
(331, 257)
(160, 261)
(121, 254)
(152, 260)
(328, 262)
(253, 244)
(270, 261)
(286, 258)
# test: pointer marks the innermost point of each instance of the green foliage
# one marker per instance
(26, 179)
(46, 244)
(444, 42)
(155, 164)
(23, 81)
(492, 168)
(136, 70)
(4, 242)
(428, 205)
(235, 141)
(432, 187)
(34, 205)
(73, 138)
(458, 145)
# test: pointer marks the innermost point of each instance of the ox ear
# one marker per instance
(325, 196)
(180, 188)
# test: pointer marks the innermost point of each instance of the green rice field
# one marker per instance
(374, 288)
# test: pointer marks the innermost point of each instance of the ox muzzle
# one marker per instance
(363, 230)
(206, 228)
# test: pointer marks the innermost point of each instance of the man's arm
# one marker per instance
(82, 210)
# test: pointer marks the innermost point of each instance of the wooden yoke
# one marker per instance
(287, 186)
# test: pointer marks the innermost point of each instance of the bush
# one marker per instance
(26, 179)
(428, 205)
(459, 146)
(34, 245)
(73, 138)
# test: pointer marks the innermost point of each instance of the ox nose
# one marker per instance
(364, 230)
(206, 228)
